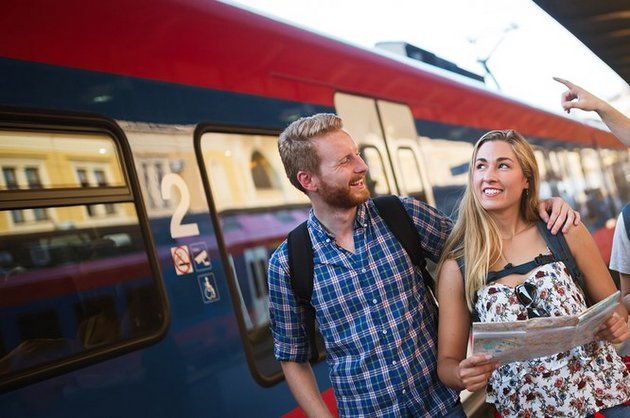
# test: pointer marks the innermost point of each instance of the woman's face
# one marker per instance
(498, 178)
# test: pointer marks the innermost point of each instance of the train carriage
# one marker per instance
(142, 192)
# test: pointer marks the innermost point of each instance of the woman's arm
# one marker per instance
(454, 369)
(598, 282)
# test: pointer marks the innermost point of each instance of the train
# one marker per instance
(142, 192)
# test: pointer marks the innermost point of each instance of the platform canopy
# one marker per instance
(602, 25)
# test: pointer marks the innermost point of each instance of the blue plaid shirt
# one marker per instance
(378, 324)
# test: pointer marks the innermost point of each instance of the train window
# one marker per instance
(255, 214)
(410, 178)
(400, 134)
(448, 169)
(98, 158)
(616, 165)
(598, 207)
(263, 174)
(546, 179)
(376, 176)
(72, 251)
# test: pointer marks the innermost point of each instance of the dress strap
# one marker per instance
(521, 268)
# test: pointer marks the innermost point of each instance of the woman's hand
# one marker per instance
(615, 329)
(474, 371)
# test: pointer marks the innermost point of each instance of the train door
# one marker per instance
(402, 141)
(362, 121)
(386, 133)
(256, 262)
(256, 206)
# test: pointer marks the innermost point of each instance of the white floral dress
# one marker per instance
(574, 383)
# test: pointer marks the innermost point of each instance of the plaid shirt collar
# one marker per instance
(321, 233)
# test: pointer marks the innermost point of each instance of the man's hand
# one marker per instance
(558, 214)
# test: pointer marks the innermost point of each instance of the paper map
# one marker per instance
(538, 337)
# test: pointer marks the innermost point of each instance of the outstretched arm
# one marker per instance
(454, 368)
(578, 98)
(304, 388)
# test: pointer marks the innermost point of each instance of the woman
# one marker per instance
(496, 229)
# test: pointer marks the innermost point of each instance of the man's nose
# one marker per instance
(361, 166)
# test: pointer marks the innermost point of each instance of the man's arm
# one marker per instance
(304, 388)
(558, 214)
(578, 98)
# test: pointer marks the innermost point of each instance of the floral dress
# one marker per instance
(574, 383)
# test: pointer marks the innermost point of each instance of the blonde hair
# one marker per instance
(475, 237)
(297, 151)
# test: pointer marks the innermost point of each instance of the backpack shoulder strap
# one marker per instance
(625, 212)
(301, 268)
(400, 224)
(560, 249)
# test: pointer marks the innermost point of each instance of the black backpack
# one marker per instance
(301, 265)
(559, 252)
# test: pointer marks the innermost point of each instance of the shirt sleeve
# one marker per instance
(432, 225)
(620, 255)
(290, 340)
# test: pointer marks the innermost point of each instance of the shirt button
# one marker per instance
(374, 301)
(384, 331)
(327, 239)
(394, 363)
(404, 391)
(364, 225)
(363, 270)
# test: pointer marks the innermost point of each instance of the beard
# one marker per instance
(341, 196)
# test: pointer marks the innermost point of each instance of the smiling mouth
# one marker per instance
(357, 183)
(491, 192)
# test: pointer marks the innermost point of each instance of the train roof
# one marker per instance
(219, 46)
(603, 26)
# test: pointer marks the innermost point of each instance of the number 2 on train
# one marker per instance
(179, 229)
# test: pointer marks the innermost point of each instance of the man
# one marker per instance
(374, 312)
(578, 98)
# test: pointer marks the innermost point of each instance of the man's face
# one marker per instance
(341, 177)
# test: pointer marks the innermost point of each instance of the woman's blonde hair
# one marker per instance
(475, 237)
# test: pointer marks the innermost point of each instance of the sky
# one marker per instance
(527, 46)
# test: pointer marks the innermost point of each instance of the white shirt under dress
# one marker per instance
(574, 383)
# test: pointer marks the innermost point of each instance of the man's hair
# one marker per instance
(297, 151)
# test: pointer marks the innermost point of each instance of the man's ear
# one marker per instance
(307, 180)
